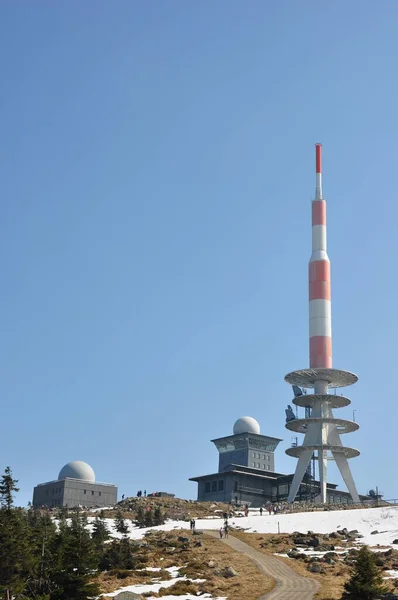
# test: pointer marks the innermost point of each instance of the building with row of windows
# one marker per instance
(246, 472)
(75, 486)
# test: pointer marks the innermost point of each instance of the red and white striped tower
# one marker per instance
(319, 280)
(321, 429)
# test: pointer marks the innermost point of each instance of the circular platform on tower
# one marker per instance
(342, 425)
(306, 378)
(310, 400)
(296, 451)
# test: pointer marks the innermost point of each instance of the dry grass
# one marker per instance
(205, 561)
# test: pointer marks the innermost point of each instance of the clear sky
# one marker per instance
(157, 167)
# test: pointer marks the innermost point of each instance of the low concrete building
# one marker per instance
(75, 486)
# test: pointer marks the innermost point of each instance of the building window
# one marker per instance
(92, 493)
(220, 485)
(84, 492)
(214, 486)
(268, 457)
(207, 487)
(254, 455)
(258, 455)
(99, 493)
(253, 464)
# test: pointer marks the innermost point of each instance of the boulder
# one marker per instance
(315, 568)
(129, 596)
(315, 559)
(330, 555)
(229, 572)
(296, 554)
(395, 542)
(211, 564)
(374, 532)
(315, 541)
(182, 539)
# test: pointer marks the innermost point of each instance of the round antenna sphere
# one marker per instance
(246, 425)
(77, 469)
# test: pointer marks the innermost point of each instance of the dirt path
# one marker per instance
(289, 585)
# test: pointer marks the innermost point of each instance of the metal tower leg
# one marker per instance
(346, 474)
(323, 469)
(299, 474)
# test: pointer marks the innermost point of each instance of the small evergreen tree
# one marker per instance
(100, 531)
(8, 485)
(110, 558)
(127, 560)
(158, 518)
(140, 517)
(366, 582)
(148, 519)
(120, 524)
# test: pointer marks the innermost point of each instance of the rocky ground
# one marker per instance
(328, 558)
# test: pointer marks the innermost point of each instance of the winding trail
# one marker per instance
(289, 585)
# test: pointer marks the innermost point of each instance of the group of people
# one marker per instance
(224, 531)
(139, 493)
(192, 525)
(271, 509)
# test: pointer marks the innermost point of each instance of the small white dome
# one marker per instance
(77, 469)
(246, 425)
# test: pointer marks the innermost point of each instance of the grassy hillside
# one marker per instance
(226, 573)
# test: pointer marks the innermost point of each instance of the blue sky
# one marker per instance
(157, 167)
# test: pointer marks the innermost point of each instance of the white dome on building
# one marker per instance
(246, 425)
(77, 469)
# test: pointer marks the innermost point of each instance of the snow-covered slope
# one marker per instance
(384, 520)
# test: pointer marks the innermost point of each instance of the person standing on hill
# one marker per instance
(226, 530)
(221, 532)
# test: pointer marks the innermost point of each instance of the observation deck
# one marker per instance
(335, 378)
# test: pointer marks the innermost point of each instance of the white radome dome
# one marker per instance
(77, 469)
(246, 425)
